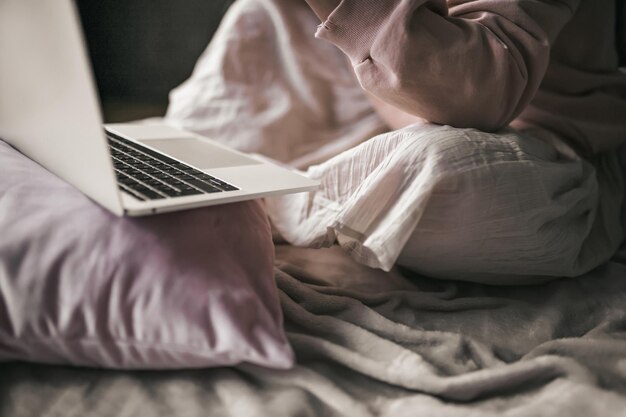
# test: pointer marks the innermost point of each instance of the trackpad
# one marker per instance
(198, 153)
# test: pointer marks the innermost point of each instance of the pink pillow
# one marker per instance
(81, 286)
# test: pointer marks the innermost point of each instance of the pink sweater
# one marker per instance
(489, 63)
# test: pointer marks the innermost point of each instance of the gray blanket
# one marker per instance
(374, 343)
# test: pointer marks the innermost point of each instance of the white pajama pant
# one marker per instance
(462, 204)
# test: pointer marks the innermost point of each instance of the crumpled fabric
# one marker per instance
(266, 85)
(462, 204)
(510, 207)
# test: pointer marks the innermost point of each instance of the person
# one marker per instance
(529, 63)
(503, 161)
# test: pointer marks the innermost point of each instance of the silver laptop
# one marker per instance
(49, 111)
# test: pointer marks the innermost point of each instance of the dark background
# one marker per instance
(141, 49)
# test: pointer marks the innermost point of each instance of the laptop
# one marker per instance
(49, 111)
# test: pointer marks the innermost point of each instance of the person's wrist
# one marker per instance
(323, 8)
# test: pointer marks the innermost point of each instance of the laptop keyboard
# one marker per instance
(149, 175)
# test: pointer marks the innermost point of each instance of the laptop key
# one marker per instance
(170, 192)
(133, 193)
(204, 186)
(188, 192)
(126, 181)
(141, 192)
(220, 184)
(152, 195)
(152, 182)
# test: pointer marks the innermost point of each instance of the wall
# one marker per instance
(141, 49)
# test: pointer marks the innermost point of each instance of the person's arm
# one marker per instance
(391, 115)
(471, 64)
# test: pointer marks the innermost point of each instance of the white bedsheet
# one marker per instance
(374, 343)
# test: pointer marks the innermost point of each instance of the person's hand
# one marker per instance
(323, 8)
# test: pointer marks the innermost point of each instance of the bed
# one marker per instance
(370, 343)
(367, 342)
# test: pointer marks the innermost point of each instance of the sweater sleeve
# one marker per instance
(464, 63)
